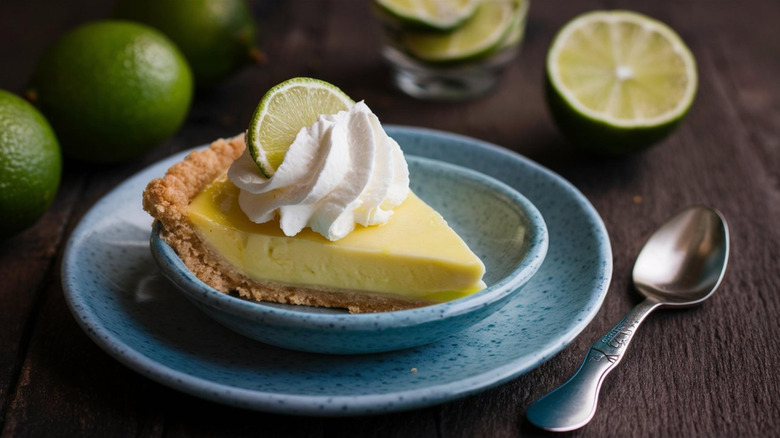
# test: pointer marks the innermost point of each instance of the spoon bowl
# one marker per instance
(681, 265)
(683, 262)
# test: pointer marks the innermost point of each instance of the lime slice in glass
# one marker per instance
(515, 34)
(619, 81)
(283, 111)
(477, 37)
(440, 15)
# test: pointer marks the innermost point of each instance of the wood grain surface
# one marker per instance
(708, 371)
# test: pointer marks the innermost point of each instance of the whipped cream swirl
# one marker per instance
(341, 171)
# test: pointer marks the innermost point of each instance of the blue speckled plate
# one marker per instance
(117, 295)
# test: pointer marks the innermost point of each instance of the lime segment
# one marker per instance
(622, 68)
(442, 15)
(283, 111)
(478, 36)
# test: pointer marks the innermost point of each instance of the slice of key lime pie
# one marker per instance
(312, 207)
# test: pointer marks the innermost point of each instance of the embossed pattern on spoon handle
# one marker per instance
(573, 404)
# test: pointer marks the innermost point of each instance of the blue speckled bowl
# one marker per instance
(499, 224)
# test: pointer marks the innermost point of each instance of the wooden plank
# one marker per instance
(71, 388)
(413, 424)
(744, 66)
(186, 417)
(27, 29)
(747, 77)
(26, 261)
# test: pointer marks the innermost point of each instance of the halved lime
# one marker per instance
(283, 111)
(619, 81)
(480, 35)
(441, 15)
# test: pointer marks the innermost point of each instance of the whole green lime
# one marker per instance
(112, 90)
(30, 164)
(216, 36)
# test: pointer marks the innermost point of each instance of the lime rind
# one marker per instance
(413, 14)
(648, 24)
(267, 162)
(599, 136)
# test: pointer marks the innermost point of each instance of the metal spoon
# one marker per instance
(681, 265)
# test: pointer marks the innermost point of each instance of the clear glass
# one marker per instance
(448, 80)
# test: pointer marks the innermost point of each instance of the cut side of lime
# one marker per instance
(478, 36)
(283, 111)
(623, 69)
(441, 15)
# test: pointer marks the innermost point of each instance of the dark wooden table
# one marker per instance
(709, 371)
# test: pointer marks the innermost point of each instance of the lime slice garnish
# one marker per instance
(283, 111)
(442, 15)
(620, 76)
(515, 34)
(478, 36)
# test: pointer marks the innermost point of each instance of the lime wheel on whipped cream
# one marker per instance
(286, 109)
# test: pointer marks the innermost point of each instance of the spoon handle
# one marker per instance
(573, 404)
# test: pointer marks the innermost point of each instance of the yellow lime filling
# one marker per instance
(415, 255)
